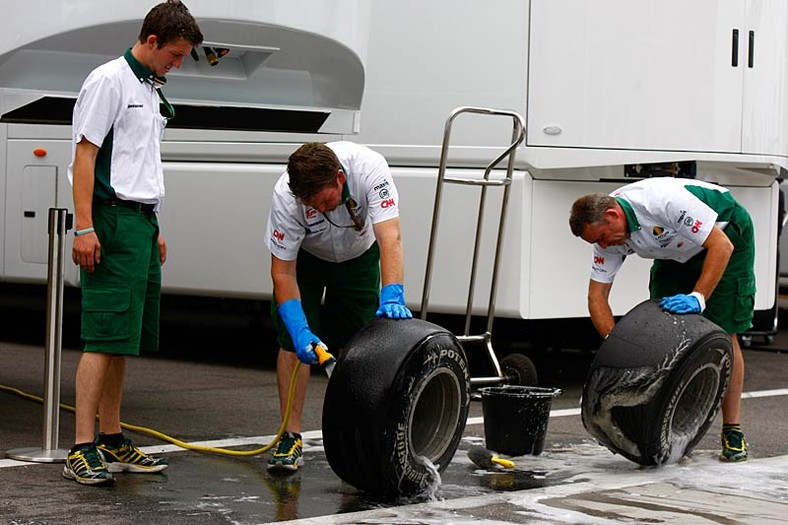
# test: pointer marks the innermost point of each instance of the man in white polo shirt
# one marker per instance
(118, 185)
(333, 229)
(703, 244)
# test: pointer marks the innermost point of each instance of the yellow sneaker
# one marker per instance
(734, 446)
(288, 454)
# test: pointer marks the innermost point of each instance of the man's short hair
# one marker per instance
(589, 209)
(170, 21)
(312, 168)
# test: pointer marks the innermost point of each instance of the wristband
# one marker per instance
(84, 232)
(700, 298)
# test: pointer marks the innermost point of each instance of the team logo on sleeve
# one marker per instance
(684, 218)
(693, 224)
(384, 193)
(277, 238)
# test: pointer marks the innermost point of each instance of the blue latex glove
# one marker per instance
(392, 303)
(681, 304)
(294, 318)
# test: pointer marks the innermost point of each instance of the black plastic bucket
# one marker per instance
(516, 417)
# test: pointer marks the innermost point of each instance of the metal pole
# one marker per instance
(57, 228)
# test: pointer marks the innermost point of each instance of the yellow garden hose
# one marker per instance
(183, 444)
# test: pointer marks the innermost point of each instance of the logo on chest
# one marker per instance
(659, 232)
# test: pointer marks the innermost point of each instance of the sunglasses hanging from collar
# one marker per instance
(157, 83)
(357, 225)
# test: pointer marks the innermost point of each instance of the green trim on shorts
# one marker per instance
(732, 305)
(352, 294)
(120, 299)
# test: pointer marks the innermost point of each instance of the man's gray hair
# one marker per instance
(589, 209)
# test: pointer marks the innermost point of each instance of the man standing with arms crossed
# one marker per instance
(118, 185)
(703, 244)
(333, 228)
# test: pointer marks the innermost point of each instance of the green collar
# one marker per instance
(146, 75)
(141, 72)
(632, 222)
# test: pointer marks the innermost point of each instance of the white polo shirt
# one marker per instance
(668, 218)
(293, 225)
(118, 110)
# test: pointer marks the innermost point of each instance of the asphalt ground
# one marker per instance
(214, 383)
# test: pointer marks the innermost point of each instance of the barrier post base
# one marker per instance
(38, 455)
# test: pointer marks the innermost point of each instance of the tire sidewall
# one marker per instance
(438, 354)
(640, 398)
(703, 354)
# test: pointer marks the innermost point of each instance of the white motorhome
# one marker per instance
(610, 90)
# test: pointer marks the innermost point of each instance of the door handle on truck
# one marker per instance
(735, 48)
(751, 49)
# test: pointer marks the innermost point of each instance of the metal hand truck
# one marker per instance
(515, 368)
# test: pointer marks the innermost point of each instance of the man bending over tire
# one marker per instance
(703, 244)
(333, 229)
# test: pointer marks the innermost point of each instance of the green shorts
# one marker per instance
(120, 300)
(352, 290)
(732, 304)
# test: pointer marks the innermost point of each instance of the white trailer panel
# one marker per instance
(604, 85)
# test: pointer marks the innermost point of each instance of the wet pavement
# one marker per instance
(214, 384)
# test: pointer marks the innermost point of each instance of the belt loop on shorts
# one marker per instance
(139, 207)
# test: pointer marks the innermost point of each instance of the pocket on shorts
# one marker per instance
(105, 314)
(745, 300)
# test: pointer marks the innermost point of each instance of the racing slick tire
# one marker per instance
(656, 384)
(395, 407)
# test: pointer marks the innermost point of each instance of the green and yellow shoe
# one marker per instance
(288, 454)
(125, 457)
(734, 446)
(85, 466)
